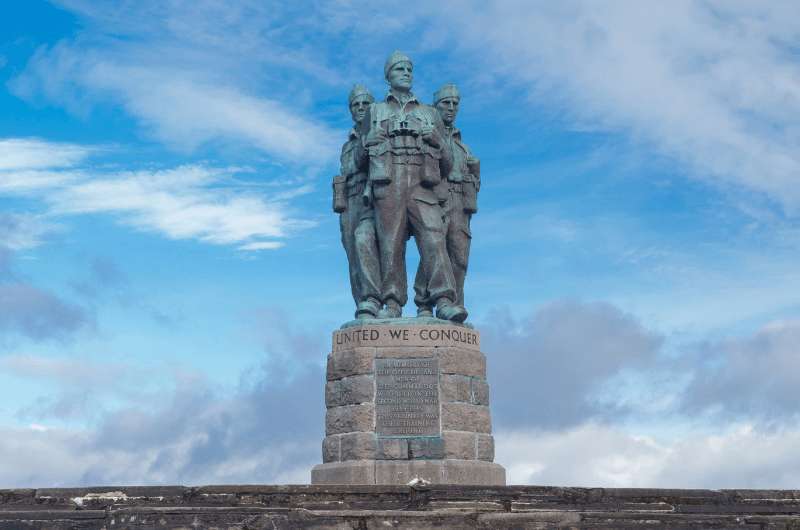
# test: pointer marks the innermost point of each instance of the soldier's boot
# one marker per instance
(424, 311)
(368, 309)
(447, 310)
(392, 310)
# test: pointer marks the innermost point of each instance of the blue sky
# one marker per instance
(170, 269)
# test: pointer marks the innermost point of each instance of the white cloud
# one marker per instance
(24, 231)
(185, 93)
(714, 86)
(187, 202)
(33, 154)
(182, 203)
(592, 455)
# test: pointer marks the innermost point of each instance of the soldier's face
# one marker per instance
(448, 109)
(358, 108)
(401, 75)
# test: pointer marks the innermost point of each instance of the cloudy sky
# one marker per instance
(170, 269)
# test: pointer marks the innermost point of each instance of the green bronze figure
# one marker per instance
(458, 194)
(352, 201)
(408, 156)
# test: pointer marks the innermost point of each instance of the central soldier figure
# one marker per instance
(407, 158)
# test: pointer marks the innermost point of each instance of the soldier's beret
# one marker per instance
(396, 57)
(446, 91)
(359, 90)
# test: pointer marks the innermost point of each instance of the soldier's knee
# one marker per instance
(365, 233)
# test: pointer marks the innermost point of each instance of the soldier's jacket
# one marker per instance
(354, 163)
(459, 172)
(399, 141)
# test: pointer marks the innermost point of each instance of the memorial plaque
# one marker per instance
(407, 397)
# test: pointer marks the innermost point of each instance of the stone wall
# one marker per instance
(397, 507)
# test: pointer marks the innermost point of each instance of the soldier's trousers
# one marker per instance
(458, 238)
(357, 224)
(400, 206)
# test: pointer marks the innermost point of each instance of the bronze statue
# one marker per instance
(405, 171)
(458, 194)
(356, 219)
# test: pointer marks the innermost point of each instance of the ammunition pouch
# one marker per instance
(431, 171)
(377, 164)
(339, 194)
(470, 195)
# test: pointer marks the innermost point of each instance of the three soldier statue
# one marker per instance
(406, 172)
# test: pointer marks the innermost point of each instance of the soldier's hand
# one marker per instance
(429, 135)
(375, 136)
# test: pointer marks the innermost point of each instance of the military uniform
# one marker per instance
(357, 224)
(404, 168)
(457, 218)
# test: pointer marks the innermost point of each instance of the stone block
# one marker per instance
(474, 472)
(455, 388)
(459, 445)
(350, 418)
(485, 447)
(358, 446)
(466, 417)
(352, 472)
(331, 449)
(480, 391)
(403, 471)
(467, 472)
(428, 448)
(392, 449)
(350, 390)
(350, 362)
(404, 352)
(461, 361)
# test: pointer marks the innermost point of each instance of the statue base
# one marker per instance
(390, 472)
(407, 399)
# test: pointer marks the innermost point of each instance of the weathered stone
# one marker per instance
(474, 472)
(351, 472)
(466, 417)
(411, 335)
(350, 362)
(331, 448)
(462, 362)
(459, 445)
(439, 472)
(350, 418)
(403, 471)
(480, 391)
(455, 388)
(485, 447)
(350, 391)
(392, 449)
(404, 352)
(426, 448)
(358, 446)
(342, 507)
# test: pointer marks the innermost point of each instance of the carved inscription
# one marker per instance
(436, 336)
(407, 397)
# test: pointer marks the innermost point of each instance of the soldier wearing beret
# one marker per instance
(408, 155)
(356, 220)
(458, 193)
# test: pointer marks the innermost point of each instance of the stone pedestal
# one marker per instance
(407, 398)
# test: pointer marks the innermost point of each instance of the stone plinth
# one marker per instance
(407, 398)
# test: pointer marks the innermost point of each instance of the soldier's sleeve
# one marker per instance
(345, 164)
(360, 155)
(446, 162)
(366, 123)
